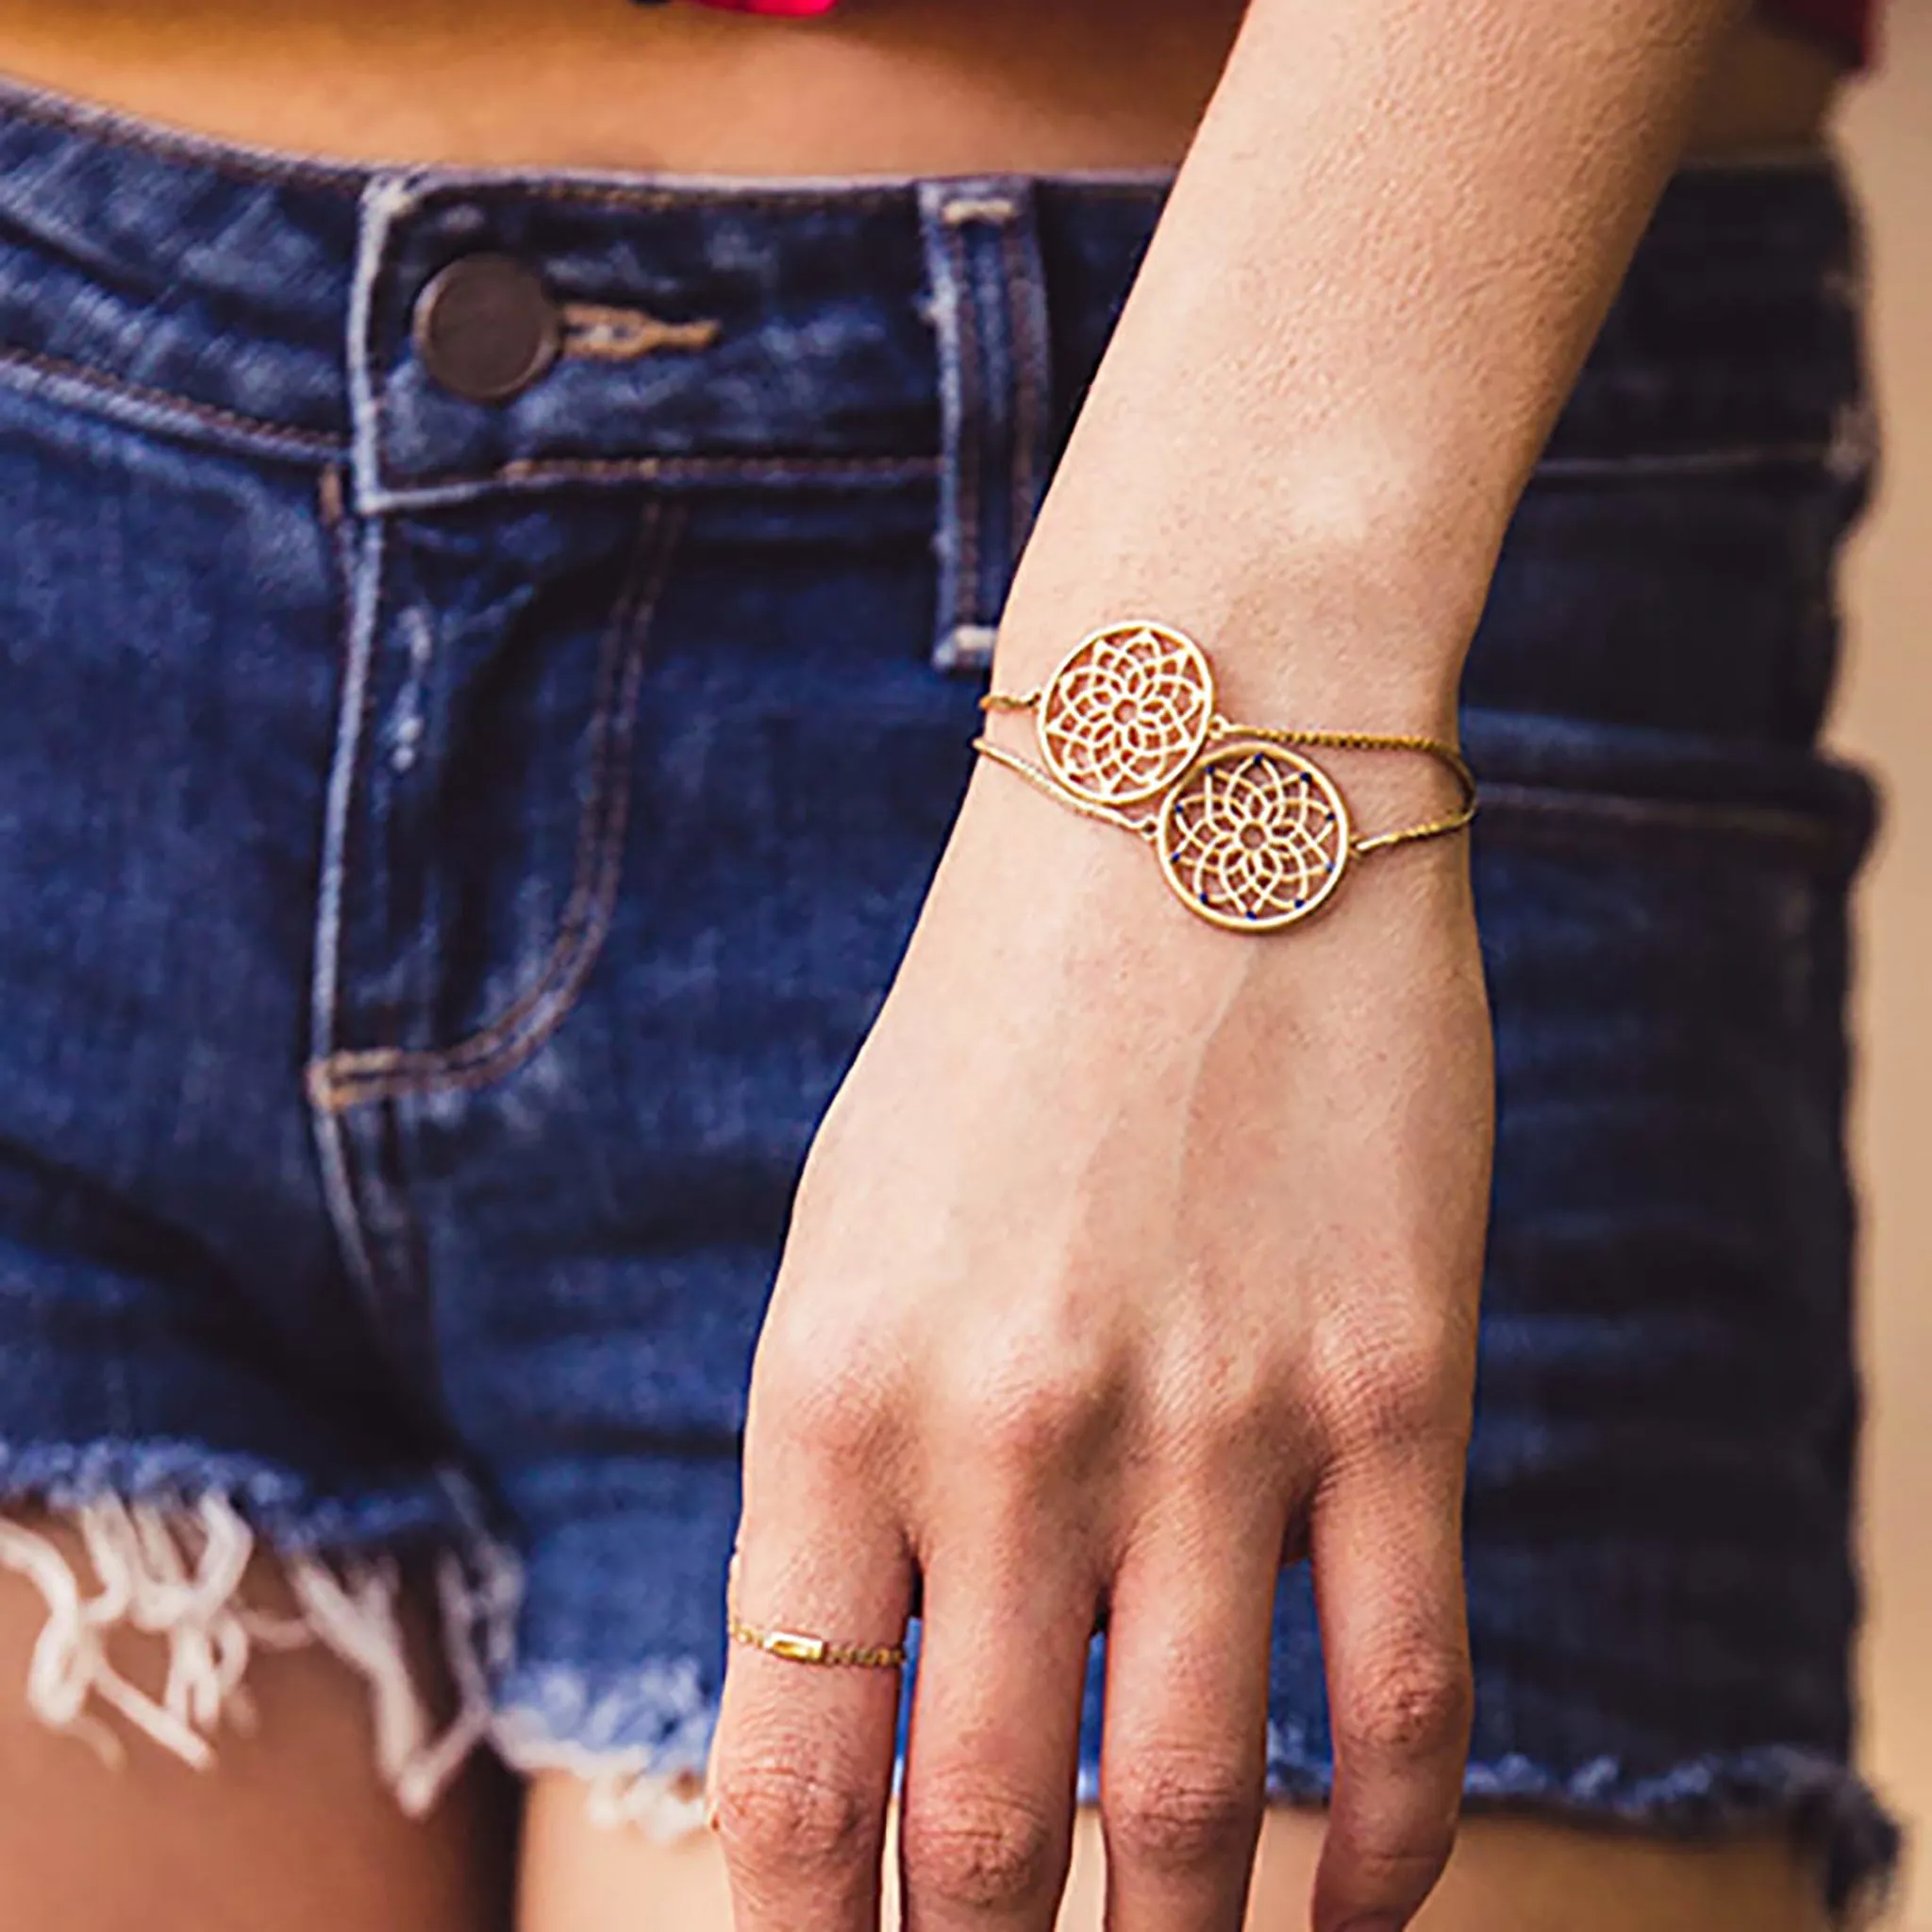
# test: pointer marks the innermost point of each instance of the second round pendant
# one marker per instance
(1255, 838)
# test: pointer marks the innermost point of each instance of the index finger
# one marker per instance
(802, 1770)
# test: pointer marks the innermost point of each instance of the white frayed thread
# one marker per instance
(620, 1791)
(355, 1615)
(664, 1808)
(175, 1574)
(651, 1788)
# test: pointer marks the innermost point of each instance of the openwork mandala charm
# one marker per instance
(1250, 834)
(1126, 714)
(1254, 838)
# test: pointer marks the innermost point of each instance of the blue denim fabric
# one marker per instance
(449, 853)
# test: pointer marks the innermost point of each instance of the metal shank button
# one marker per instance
(486, 327)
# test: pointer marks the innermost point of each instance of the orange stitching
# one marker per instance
(699, 469)
(620, 335)
(328, 497)
(313, 441)
(520, 470)
(618, 195)
(346, 1079)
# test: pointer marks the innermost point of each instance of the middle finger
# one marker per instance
(1187, 1693)
(986, 1822)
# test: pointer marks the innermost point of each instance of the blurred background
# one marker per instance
(1885, 718)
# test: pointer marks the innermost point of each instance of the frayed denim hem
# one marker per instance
(289, 1511)
(639, 1744)
(1831, 1813)
(169, 1532)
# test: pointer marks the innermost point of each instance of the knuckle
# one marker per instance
(1024, 1424)
(1182, 1814)
(1418, 1706)
(1392, 1392)
(1402, 1870)
(987, 1852)
(1237, 1431)
(785, 1812)
(843, 1414)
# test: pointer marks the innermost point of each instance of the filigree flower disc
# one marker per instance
(1254, 838)
(1126, 714)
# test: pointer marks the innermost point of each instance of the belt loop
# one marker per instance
(989, 309)
(387, 199)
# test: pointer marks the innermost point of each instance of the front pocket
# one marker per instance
(481, 853)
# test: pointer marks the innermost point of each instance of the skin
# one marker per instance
(1081, 1348)
(926, 86)
(290, 1829)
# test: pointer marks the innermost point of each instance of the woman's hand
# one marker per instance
(1133, 1258)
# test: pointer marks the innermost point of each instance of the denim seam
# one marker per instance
(967, 453)
(254, 435)
(345, 1079)
(723, 469)
(538, 474)
(987, 298)
(1644, 467)
(1504, 802)
(359, 552)
(454, 186)
(1025, 278)
(964, 380)
(383, 199)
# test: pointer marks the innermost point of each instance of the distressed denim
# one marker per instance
(450, 850)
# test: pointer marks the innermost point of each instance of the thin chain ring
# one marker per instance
(803, 1646)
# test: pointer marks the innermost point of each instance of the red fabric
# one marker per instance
(1847, 25)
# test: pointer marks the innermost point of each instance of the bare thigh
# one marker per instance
(290, 1829)
(1507, 1875)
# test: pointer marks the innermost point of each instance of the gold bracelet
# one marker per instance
(1250, 834)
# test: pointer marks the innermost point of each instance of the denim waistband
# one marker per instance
(865, 333)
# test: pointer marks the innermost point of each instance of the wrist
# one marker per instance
(1356, 613)
(1250, 830)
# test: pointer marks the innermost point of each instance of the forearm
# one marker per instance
(1383, 261)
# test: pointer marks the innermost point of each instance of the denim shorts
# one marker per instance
(465, 781)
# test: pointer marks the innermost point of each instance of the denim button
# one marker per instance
(486, 327)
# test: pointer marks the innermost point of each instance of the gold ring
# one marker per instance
(800, 1647)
